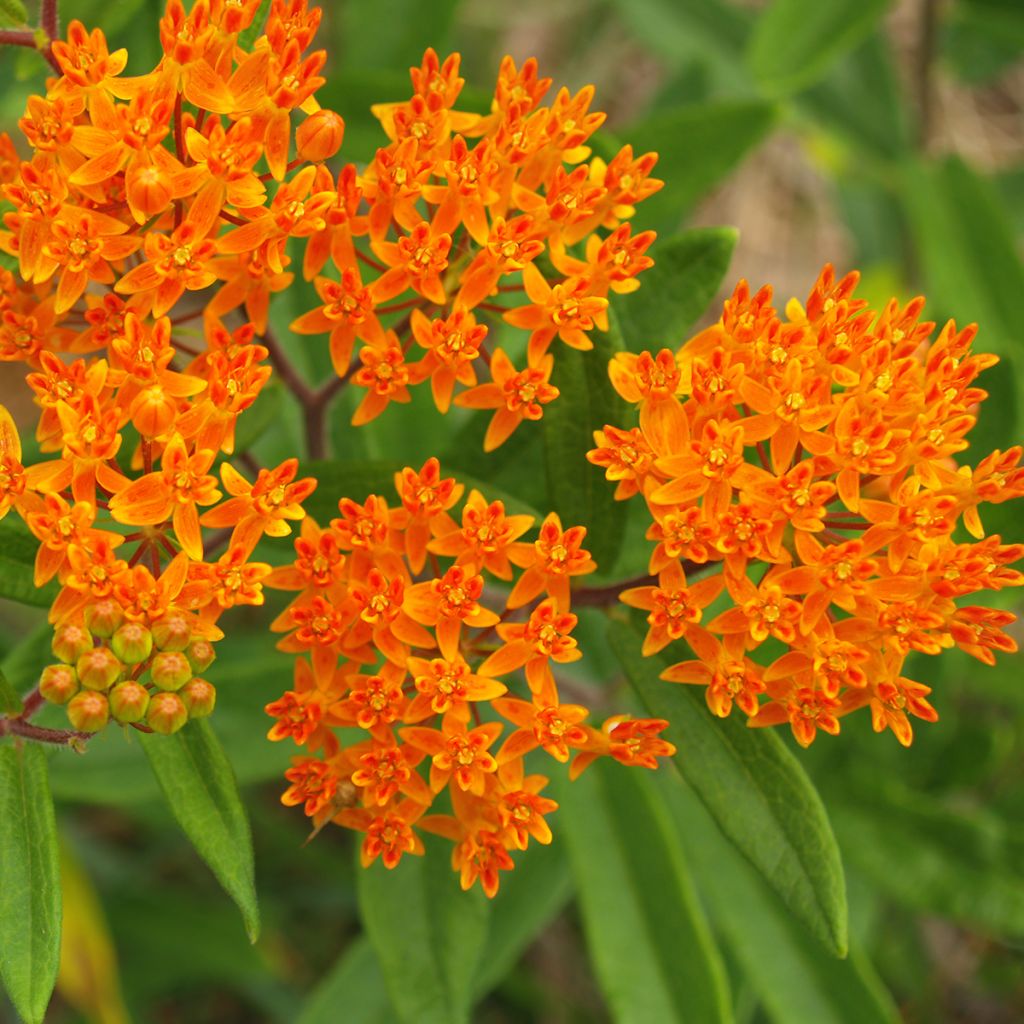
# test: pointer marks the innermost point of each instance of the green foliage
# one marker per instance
(199, 785)
(17, 557)
(30, 902)
(648, 938)
(755, 789)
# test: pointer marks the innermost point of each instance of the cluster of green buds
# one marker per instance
(111, 668)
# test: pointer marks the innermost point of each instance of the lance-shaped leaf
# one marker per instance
(754, 788)
(647, 937)
(30, 903)
(199, 785)
(17, 564)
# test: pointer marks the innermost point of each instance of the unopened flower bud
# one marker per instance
(103, 617)
(88, 711)
(132, 643)
(166, 713)
(200, 655)
(129, 702)
(58, 683)
(70, 642)
(98, 669)
(172, 633)
(199, 697)
(148, 190)
(170, 670)
(319, 137)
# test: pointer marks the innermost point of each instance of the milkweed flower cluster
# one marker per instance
(804, 470)
(401, 648)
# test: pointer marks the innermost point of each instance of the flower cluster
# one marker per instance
(399, 654)
(804, 470)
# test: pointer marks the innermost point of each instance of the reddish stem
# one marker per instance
(58, 737)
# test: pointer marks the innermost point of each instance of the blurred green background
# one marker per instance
(883, 136)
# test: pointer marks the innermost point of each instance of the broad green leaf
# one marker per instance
(967, 251)
(428, 934)
(393, 33)
(796, 980)
(697, 146)
(30, 903)
(586, 402)
(529, 897)
(17, 561)
(955, 865)
(199, 785)
(355, 983)
(648, 939)
(795, 41)
(10, 702)
(687, 273)
(755, 789)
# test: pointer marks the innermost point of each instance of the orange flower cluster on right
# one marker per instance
(804, 469)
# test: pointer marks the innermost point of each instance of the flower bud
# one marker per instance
(199, 697)
(148, 191)
(88, 711)
(319, 136)
(98, 669)
(166, 713)
(170, 670)
(172, 633)
(129, 702)
(58, 683)
(103, 617)
(70, 642)
(200, 655)
(132, 643)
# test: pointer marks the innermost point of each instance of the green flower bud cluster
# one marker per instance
(112, 668)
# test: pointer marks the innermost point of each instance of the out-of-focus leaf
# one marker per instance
(955, 865)
(971, 267)
(26, 661)
(10, 702)
(527, 901)
(697, 147)
(982, 38)
(259, 417)
(755, 789)
(428, 935)
(199, 785)
(17, 560)
(647, 937)
(393, 33)
(89, 978)
(30, 904)
(586, 402)
(355, 983)
(249, 35)
(687, 273)
(795, 41)
(796, 980)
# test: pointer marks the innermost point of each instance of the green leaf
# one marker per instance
(755, 789)
(394, 33)
(428, 934)
(30, 904)
(356, 983)
(681, 32)
(10, 702)
(795, 41)
(17, 562)
(687, 273)
(697, 146)
(587, 401)
(199, 785)
(796, 980)
(647, 937)
(259, 417)
(248, 36)
(967, 251)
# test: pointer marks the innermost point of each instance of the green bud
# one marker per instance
(170, 670)
(103, 617)
(58, 683)
(172, 633)
(98, 669)
(70, 642)
(129, 702)
(201, 655)
(132, 643)
(166, 713)
(199, 697)
(88, 711)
